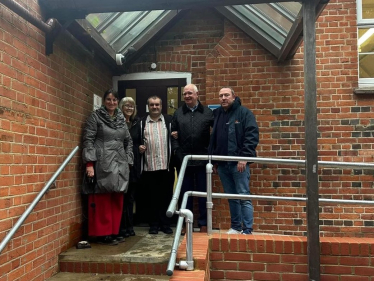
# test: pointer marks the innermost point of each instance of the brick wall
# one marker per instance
(272, 257)
(43, 104)
(45, 100)
(219, 54)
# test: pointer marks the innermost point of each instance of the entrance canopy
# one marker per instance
(126, 26)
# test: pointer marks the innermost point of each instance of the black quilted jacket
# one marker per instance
(193, 132)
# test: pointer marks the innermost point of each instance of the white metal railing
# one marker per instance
(188, 264)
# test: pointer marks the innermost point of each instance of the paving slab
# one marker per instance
(142, 248)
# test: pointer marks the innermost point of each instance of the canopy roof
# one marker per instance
(117, 26)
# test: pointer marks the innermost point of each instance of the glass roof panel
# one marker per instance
(271, 22)
(292, 7)
(122, 23)
(134, 30)
(261, 23)
(274, 13)
(97, 19)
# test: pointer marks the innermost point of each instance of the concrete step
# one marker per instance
(143, 254)
(68, 276)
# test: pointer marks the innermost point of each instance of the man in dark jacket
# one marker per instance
(156, 164)
(192, 123)
(235, 133)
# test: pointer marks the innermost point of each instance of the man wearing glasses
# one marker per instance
(191, 128)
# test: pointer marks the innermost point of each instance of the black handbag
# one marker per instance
(89, 184)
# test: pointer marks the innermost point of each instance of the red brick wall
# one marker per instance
(45, 100)
(219, 54)
(272, 257)
(43, 104)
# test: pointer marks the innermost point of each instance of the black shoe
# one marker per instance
(131, 232)
(166, 230)
(119, 238)
(107, 240)
(124, 233)
(153, 230)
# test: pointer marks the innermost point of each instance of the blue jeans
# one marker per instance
(235, 182)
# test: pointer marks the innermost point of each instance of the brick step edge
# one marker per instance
(195, 275)
(113, 268)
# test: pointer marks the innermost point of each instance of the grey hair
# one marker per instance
(132, 102)
(193, 86)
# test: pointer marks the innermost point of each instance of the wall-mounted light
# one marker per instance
(121, 58)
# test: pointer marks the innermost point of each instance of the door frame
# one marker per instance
(151, 75)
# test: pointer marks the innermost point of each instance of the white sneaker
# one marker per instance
(233, 231)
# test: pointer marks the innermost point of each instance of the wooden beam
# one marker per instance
(311, 147)
(80, 8)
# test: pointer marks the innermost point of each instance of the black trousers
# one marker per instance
(127, 221)
(158, 191)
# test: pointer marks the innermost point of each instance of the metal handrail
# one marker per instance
(173, 204)
(36, 201)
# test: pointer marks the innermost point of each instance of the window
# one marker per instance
(365, 24)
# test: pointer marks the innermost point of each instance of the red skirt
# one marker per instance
(104, 213)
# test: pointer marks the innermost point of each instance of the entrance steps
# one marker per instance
(142, 257)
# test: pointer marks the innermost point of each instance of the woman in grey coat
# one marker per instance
(107, 153)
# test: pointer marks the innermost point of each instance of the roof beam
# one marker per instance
(295, 35)
(67, 9)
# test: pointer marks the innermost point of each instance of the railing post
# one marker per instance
(209, 201)
(188, 264)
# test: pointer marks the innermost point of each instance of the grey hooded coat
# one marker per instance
(107, 143)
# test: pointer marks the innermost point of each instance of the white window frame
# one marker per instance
(363, 23)
(151, 75)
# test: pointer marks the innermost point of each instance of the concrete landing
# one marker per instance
(142, 248)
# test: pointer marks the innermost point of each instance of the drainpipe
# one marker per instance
(51, 28)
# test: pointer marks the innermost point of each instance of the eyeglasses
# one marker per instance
(128, 106)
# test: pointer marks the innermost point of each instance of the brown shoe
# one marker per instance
(203, 229)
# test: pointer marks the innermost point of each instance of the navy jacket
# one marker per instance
(243, 133)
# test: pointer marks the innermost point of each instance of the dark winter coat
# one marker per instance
(135, 170)
(193, 132)
(107, 143)
(243, 133)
